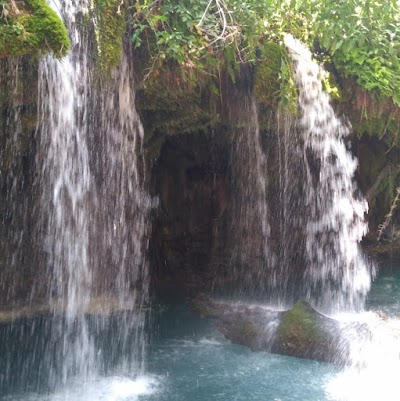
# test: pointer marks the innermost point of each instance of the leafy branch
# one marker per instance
(360, 37)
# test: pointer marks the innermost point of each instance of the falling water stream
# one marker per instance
(66, 183)
(91, 179)
(250, 229)
(337, 274)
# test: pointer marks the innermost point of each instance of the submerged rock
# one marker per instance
(99, 305)
(300, 332)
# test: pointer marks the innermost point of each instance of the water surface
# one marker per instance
(188, 359)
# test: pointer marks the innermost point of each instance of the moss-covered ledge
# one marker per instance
(111, 16)
(31, 27)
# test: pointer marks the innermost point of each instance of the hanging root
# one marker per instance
(382, 227)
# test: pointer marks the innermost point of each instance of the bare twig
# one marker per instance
(14, 7)
(119, 7)
(228, 27)
(204, 14)
(4, 12)
(382, 227)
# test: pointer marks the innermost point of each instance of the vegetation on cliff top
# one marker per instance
(31, 27)
(360, 38)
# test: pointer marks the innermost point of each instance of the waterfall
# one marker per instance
(337, 276)
(122, 210)
(252, 259)
(287, 195)
(93, 211)
(66, 183)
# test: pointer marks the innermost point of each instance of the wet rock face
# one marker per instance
(305, 333)
(18, 97)
(378, 177)
(301, 332)
(190, 180)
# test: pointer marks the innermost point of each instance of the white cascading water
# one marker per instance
(250, 229)
(93, 213)
(374, 360)
(289, 204)
(337, 273)
(66, 182)
(123, 208)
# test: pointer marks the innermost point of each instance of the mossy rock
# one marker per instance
(385, 126)
(305, 333)
(244, 328)
(34, 29)
(368, 114)
(266, 83)
(111, 16)
(300, 329)
(170, 102)
(273, 82)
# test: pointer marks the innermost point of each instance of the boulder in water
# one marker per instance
(303, 332)
(300, 332)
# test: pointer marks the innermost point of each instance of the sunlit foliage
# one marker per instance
(360, 37)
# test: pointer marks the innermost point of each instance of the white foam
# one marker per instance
(114, 388)
(374, 362)
(209, 341)
(365, 385)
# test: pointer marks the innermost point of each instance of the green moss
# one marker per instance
(299, 327)
(384, 126)
(35, 29)
(244, 329)
(171, 103)
(273, 85)
(368, 115)
(111, 15)
(331, 85)
(266, 84)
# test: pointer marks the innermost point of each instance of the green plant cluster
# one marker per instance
(273, 82)
(361, 38)
(201, 37)
(196, 34)
(31, 27)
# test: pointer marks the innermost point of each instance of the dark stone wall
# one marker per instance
(190, 178)
(18, 97)
(378, 176)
